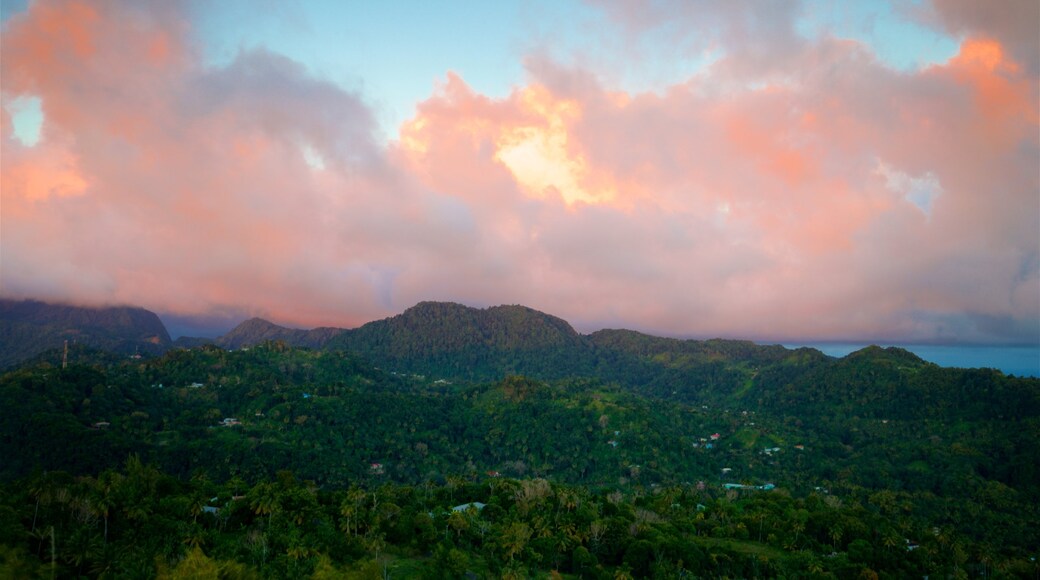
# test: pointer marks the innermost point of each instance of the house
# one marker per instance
(765, 487)
(612, 443)
(375, 468)
(715, 436)
(709, 446)
(230, 422)
(196, 385)
(727, 469)
(306, 395)
(208, 509)
(494, 474)
(800, 447)
(101, 425)
(465, 507)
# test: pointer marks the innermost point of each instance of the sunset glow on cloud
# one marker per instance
(793, 187)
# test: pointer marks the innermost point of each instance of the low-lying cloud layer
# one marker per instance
(795, 189)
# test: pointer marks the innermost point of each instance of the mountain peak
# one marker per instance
(32, 326)
(461, 339)
(258, 330)
(256, 322)
(892, 353)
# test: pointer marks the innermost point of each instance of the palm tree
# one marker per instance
(515, 538)
(195, 536)
(102, 499)
(38, 489)
(265, 501)
(235, 484)
(890, 540)
(47, 488)
(196, 505)
(350, 509)
(454, 482)
(836, 532)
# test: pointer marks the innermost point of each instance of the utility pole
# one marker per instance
(65, 356)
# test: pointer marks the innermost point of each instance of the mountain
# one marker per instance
(443, 339)
(675, 352)
(257, 330)
(29, 327)
(452, 340)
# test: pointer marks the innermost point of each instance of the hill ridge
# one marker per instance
(29, 327)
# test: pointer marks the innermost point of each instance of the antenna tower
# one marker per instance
(65, 356)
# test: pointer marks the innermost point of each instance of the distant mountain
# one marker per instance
(453, 340)
(29, 327)
(257, 330)
(673, 352)
(450, 341)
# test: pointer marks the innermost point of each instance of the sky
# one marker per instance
(788, 170)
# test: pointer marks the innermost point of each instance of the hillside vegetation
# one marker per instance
(279, 452)
(634, 455)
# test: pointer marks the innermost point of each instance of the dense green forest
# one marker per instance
(642, 457)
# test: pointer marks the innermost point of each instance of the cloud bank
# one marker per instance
(794, 189)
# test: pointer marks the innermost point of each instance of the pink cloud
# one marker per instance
(764, 212)
(1012, 22)
(779, 209)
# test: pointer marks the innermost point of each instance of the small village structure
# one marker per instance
(765, 487)
(466, 506)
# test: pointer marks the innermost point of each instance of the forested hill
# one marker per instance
(256, 331)
(807, 465)
(29, 327)
(455, 341)
(441, 338)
